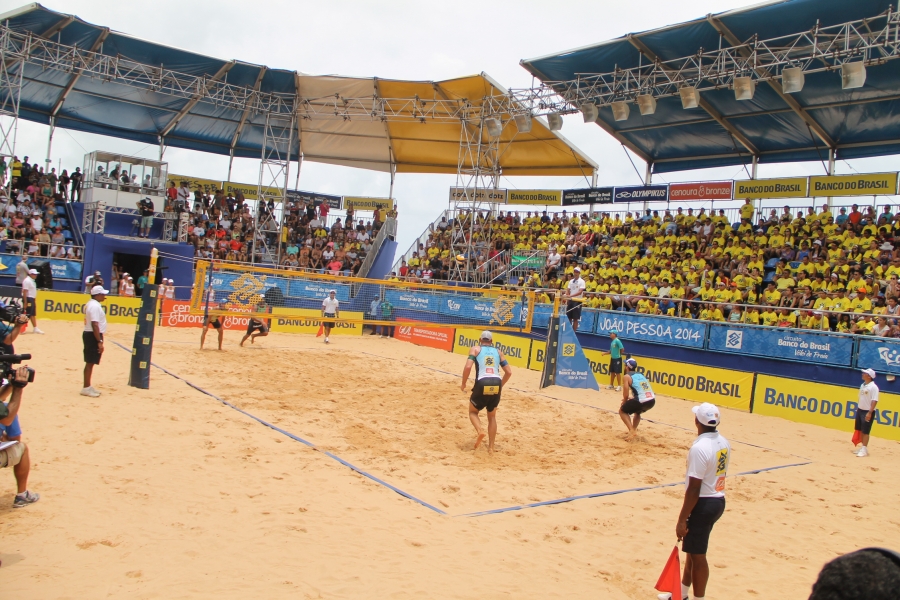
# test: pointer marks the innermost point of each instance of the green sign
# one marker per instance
(529, 262)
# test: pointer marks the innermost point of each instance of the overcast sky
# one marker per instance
(396, 39)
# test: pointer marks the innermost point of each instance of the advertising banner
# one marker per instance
(307, 320)
(314, 198)
(209, 186)
(224, 283)
(176, 313)
(10, 295)
(60, 268)
(573, 369)
(318, 289)
(602, 195)
(431, 337)
(881, 354)
(69, 306)
(541, 197)
(870, 184)
(499, 311)
(250, 190)
(659, 330)
(709, 190)
(825, 405)
(541, 317)
(516, 349)
(460, 194)
(821, 348)
(366, 203)
(792, 187)
(528, 262)
(642, 193)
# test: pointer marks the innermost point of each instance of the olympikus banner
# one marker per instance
(366, 203)
(543, 197)
(642, 193)
(587, 196)
(712, 190)
(872, 184)
(786, 344)
(458, 194)
(316, 199)
(794, 187)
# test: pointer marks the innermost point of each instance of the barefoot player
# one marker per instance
(637, 397)
(488, 361)
(256, 327)
(216, 322)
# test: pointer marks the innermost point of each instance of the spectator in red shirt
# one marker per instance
(334, 267)
(855, 215)
(323, 212)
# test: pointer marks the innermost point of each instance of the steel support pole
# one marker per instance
(831, 155)
(47, 160)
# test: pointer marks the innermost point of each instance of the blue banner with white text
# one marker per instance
(318, 289)
(786, 344)
(59, 268)
(646, 328)
(495, 311)
(573, 369)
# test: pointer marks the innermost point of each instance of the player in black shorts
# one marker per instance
(216, 323)
(255, 328)
(489, 362)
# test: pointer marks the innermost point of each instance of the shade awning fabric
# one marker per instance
(125, 111)
(861, 122)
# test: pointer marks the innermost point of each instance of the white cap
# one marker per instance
(33, 272)
(486, 335)
(869, 372)
(578, 269)
(97, 290)
(707, 414)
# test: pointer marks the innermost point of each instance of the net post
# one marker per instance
(548, 375)
(142, 348)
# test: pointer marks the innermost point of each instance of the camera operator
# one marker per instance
(16, 454)
(9, 332)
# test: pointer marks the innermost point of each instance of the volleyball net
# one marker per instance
(265, 293)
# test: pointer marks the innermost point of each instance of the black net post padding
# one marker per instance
(142, 348)
(548, 376)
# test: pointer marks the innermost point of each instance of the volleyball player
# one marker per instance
(488, 361)
(256, 327)
(330, 312)
(637, 397)
(216, 322)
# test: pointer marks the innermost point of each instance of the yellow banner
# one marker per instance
(822, 404)
(516, 349)
(722, 387)
(366, 203)
(69, 306)
(542, 197)
(250, 190)
(793, 187)
(872, 184)
(195, 183)
(307, 320)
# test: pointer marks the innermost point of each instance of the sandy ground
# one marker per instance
(167, 493)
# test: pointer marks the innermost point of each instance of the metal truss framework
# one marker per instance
(872, 41)
(10, 93)
(274, 168)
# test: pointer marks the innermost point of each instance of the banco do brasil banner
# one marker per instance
(542, 197)
(659, 330)
(587, 196)
(793, 187)
(853, 185)
(881, 354)
(787, 344)
(60, 268)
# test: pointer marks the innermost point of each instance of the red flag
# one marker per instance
(856, 437)
(670, 579)
(321, 330)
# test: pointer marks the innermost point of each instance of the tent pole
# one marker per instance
(230, 163)
(49, 144)
(299, 166)
(393, 172)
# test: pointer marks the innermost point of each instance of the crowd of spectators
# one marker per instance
(225, 227)
(33, 221)
(810, 269)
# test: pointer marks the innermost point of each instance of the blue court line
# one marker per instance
(600, 408)
(612, 493)
(294, 437)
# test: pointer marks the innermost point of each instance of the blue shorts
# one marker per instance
(12, 430)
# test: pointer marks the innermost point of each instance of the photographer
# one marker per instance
(9, 331)
(15, 454)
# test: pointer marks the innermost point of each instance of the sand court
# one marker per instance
(168, 493)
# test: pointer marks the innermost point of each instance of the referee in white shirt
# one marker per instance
(330, 312)
(704, 498)
(92, 337)
(29, 298)
(865, 410)
(574, 297)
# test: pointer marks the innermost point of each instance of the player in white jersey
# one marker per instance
(704, 498)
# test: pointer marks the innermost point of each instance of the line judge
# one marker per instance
(865, 410)
(488, 361)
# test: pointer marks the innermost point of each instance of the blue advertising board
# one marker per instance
(318, 289)
(542, 314)
(588, 320)
(573, 369)
(785, 344)
(460, 308)
(59, 268)
(881, 354)
(646, 328)
(642, 193)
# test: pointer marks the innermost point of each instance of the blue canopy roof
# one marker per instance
(861, 122)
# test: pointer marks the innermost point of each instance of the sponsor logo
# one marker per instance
(890, 357)
(734, 339)
(568, 349)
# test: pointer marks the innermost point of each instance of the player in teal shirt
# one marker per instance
(616, 349)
